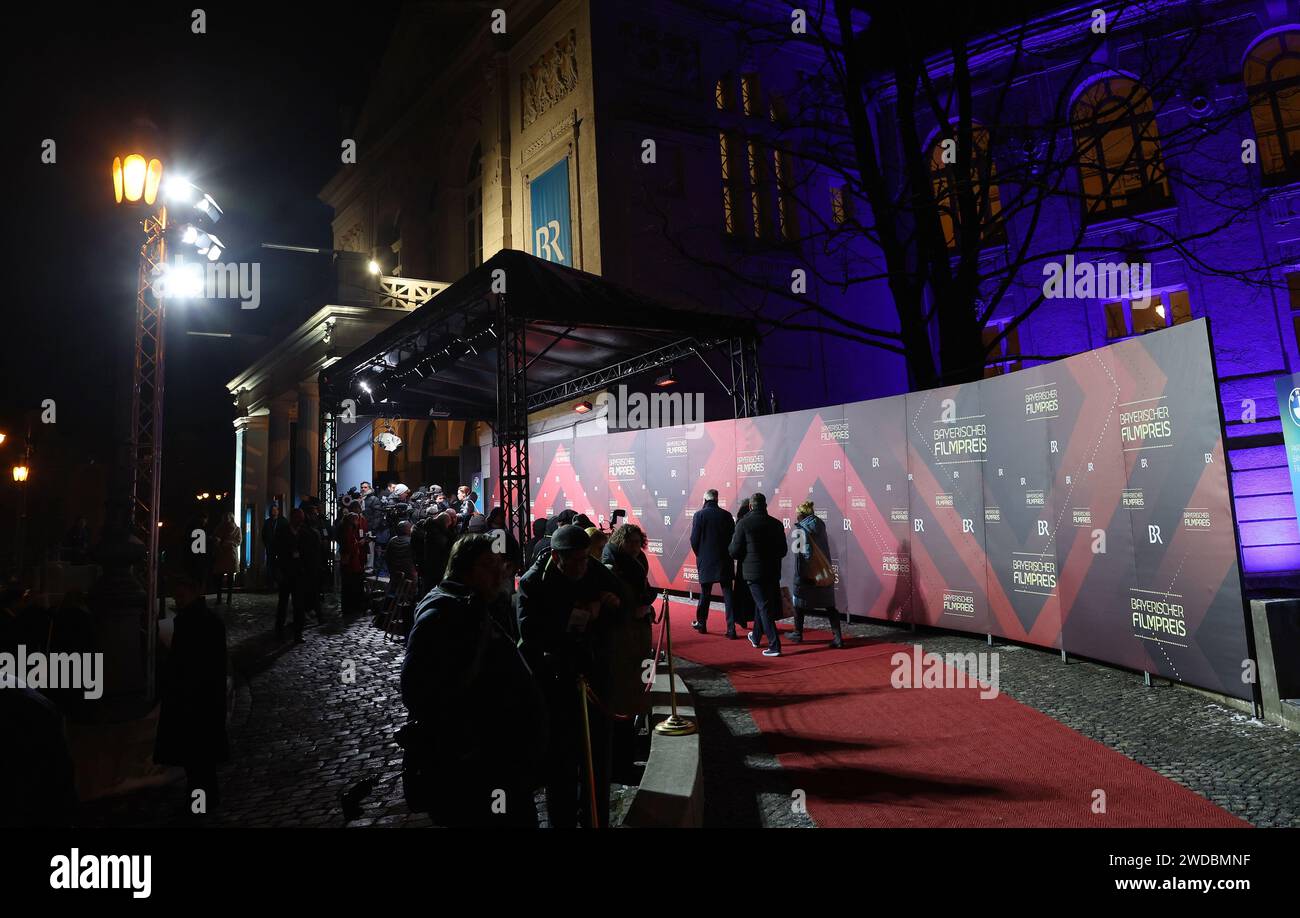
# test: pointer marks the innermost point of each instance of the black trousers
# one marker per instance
(568, 796)
(291, 588)
(767, 610)
(832, 613)
(226, 582)
(353, 592)
(706, 597)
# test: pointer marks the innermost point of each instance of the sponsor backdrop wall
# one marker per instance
(1081, 505)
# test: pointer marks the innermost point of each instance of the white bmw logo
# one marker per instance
(1294, 403)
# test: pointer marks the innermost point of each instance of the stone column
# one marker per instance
(251, 436)
(308, 445)
(284, 411)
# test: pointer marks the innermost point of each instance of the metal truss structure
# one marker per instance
(147, 422)
(511, 434)
(445, 359)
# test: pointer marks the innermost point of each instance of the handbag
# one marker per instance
(817, 569)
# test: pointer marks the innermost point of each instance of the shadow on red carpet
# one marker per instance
(867, 754)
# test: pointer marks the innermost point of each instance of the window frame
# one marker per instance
(1134, 113)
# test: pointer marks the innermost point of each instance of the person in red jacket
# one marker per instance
(352, 558)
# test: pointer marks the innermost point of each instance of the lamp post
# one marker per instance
(20, 479)
(136, 181)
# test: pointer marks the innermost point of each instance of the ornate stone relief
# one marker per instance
(550, 78)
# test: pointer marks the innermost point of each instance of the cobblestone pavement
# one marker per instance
(1248, 767)
(300, 734)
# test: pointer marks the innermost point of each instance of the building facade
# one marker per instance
(657, 144)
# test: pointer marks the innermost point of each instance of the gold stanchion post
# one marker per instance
(673, 724)
(586, 743)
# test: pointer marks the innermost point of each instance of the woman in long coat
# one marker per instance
(225, 556)
(627, 632)
(742, 601)
(808, 596)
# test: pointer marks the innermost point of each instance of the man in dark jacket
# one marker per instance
(192, 715)
(538, 540)
(464, 507)
(273, 523)
(711, 532)
(759, 545)
(559, 609)
(461, 658)
(401, 555)
(297, 559)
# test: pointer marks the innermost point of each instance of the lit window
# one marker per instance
(841, 205)
(786, 205)
(750, 102)
(1115, 136)
(1272, 76)
(759, 191)
(1002, 357)
(1293, 290)
(949, 187)
(1137, 317)
(732, 182)
(723, 97)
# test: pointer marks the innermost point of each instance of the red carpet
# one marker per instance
(869, 755)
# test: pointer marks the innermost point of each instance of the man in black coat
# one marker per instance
(297, 559)
(462, 658)
(559, 610)
(711, 532)
(192, 715)
(759, 545)
(464, 507)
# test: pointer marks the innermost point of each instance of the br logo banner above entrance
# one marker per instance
(549, 193)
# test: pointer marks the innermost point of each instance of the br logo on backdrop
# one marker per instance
(1293, 403)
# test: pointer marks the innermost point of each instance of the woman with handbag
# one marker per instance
(814, 578)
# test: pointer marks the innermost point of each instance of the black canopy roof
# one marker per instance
(581, 333)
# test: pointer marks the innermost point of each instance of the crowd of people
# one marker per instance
(536, 654)
(548, 676)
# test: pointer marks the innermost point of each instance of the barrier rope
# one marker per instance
(659, 644)
(604, 709)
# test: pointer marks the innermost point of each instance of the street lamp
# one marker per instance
(137, 179)
(20, 478)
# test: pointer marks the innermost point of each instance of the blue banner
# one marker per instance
(550, 206)
(1288, 404)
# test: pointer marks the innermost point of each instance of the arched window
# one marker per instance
(1272, 76)
(1118, 146)
(474, 210)
(982, 182)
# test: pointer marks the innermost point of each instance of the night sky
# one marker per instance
(252, 112)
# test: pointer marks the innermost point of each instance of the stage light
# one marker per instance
(373, 266)
(365, 387)
(181, 281)
(2, 438)
(582, 407)
(20, 473)
(388, 439)
(209, 208)
(666, 380)
(214, 248)
(178, 189)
